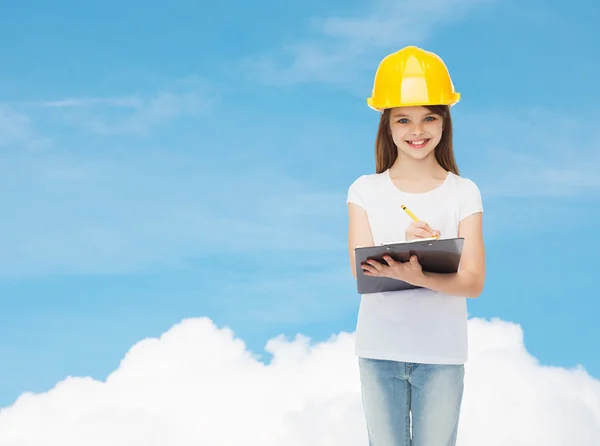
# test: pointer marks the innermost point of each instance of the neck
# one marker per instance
(410, 168)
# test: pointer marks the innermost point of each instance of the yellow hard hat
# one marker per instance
(412, 76)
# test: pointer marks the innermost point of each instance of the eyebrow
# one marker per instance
(399, 115)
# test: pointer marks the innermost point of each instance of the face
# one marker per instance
(416, 131)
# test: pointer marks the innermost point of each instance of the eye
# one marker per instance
(430, 118)
(402, 120)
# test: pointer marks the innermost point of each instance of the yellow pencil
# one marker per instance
(411, 215)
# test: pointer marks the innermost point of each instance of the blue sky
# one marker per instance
(159, 164)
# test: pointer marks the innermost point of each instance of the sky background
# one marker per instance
(190, 161)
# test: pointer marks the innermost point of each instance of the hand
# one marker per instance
(420, 229)
(410, 272)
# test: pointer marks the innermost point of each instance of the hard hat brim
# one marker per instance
(382, 107)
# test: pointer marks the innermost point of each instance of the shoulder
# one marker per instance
(464, 185)
(364, 188)
(468, 196)
(368, 180)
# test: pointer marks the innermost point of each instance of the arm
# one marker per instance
(359, 232)
(469, 280)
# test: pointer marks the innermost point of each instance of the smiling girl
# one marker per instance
(412, 344)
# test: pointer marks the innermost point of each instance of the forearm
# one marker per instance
(462, 283)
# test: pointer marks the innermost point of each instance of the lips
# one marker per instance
(418, 143)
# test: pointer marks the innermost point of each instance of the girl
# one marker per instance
(412, 344)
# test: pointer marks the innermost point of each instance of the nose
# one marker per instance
(418, 130)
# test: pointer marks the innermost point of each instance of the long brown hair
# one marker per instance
(386, 151)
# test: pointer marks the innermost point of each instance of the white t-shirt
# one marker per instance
(419, 325)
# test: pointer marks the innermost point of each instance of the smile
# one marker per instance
(417, 144)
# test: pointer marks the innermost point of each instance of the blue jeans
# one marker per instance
(396, 393)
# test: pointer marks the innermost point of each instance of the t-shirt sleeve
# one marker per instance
(354, 193)
(471, 201)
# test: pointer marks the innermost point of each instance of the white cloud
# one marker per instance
(520, 174)
(104, 213)
(531, 152)
(16, 129)
(125, 101)
(339, 47)
(131, 114)
(197, 384)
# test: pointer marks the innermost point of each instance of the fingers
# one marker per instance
(375, 268)
(422, 225)
(375, 264)
(422, 229)
(372, 266)
(422, 233)
(390, 261)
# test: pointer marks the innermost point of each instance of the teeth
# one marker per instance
(417, 143)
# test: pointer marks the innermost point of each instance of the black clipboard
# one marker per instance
(434, 255)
